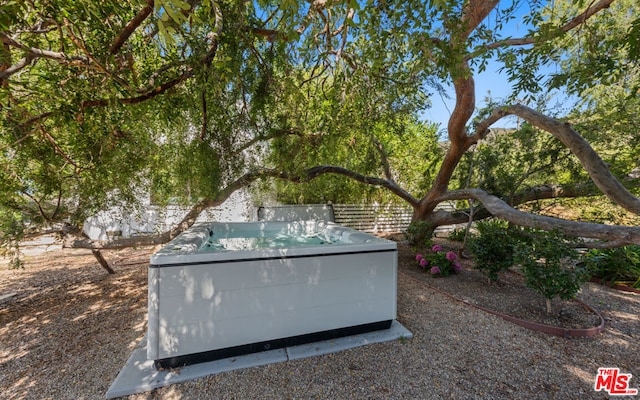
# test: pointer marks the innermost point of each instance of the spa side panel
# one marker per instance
(211, 306)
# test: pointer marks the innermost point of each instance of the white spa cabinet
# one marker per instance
(205, 305)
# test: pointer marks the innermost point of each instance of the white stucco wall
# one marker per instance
(153, 219)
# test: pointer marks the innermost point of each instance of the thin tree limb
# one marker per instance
(384, 159)
(17, 66)
(4, 38)
(131, 26)
(392, 186)
(57, 148)
(275, 134)
(43, 214)
(573, 23)
(79, 42)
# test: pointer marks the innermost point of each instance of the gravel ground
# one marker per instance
(70, 327)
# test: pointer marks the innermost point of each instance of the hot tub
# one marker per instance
(224, 289)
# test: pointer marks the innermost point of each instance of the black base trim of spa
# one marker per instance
(180, 361)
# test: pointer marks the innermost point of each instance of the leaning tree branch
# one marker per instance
(588, 157)
(500, 209)
(319, 170)
(76, 239)
(541, 192)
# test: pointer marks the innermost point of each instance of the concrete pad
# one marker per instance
(139, 375)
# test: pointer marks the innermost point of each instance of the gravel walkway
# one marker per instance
(71, 327)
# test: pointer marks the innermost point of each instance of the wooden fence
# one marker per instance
(372, 218)
(363, 217)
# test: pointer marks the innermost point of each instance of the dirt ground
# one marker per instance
(67, 327)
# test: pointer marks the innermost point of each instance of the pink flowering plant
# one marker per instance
(439, 262)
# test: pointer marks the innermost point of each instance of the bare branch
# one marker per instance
(102, 261)
(39, 52)
(131, 26)
(482, 127)
(551, 191)
(16, 67)
(575, 22)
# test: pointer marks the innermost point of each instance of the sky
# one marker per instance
(490, 83)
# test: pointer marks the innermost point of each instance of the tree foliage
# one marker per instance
(193, 99)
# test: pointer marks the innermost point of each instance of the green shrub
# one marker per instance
(551, 267)
(419, 234)
(12, 228)
(457, 235)
(493, 247)
(613, 265)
